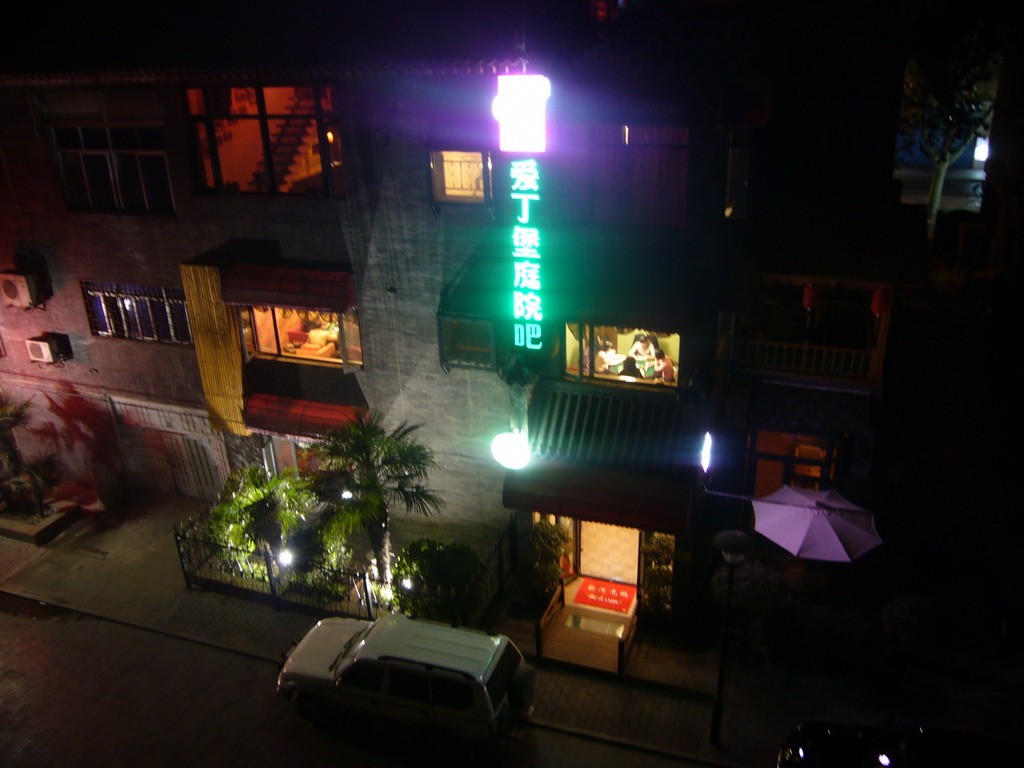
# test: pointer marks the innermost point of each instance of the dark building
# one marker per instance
(212, 263)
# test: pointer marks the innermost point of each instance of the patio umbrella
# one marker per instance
(816, 525)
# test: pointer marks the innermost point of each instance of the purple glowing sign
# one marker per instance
(519, 109)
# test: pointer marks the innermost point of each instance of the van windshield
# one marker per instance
(504, 669)
(352, 643)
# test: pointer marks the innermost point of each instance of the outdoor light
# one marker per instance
(519, 110)
(705, 453)
(284, 557)
(511, 450)
(346, 495)
(407, 583)
(883, 759)
(981, 149)
(734, 546)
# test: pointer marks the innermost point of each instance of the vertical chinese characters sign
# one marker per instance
(520, 111)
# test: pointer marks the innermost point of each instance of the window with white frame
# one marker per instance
(114, 168)
(460, 176)
(139, 312)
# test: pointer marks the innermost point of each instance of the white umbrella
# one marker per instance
(817, 525)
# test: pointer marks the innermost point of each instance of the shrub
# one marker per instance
(434, 580)
(548, 540)
(656, 595)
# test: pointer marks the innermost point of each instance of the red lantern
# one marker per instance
(881, 302)
(810, 297)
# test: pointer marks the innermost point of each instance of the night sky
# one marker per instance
(258, 32)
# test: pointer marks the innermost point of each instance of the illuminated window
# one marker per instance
(114, 168)
(467, 343)
(282, 453)
(302, 334)
(137, 312)
(622, 355)
(268, 140)
(806, 461)
(460, 177)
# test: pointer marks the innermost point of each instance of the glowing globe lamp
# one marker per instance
(511, 450)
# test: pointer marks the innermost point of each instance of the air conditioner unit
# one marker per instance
(20, 289)
(42, 349)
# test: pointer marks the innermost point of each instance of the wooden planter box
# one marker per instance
(65, 514)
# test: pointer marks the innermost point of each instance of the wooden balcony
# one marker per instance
(804, 359)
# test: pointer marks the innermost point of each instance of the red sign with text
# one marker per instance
(606, 594)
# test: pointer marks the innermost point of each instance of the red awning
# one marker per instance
(589, 493)
(285, 416)
(262, 286)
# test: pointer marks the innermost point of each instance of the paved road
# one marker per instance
(77, 691)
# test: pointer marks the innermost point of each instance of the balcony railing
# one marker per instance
(807, 359)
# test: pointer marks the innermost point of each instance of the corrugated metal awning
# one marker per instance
(300, 418)
(260, 285)
(615, 427)
(612, 455)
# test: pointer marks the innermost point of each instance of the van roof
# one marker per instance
(431, 643)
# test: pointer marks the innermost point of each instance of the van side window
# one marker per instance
(364, 675)
(409, 685)
(454, 694)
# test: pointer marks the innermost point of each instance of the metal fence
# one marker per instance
(216, 567)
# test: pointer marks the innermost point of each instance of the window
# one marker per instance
(806, 461)
(281, 453)
(137, 312)
(408, 685)
(114, 168)
(282, 140)
(460, 177)
(302, 334)
(620, 354)
(467, 343)
(455, 694)
(365, 675)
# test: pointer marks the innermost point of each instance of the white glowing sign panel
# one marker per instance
(519, 109)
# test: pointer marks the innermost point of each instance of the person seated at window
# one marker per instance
(606, 357)
(629, 368)
(663, 367)
(643, 348)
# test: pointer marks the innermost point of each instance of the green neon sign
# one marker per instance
(527, 283)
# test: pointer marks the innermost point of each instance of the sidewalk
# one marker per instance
(124, 567)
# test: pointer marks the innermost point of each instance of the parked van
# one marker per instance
(443, 680)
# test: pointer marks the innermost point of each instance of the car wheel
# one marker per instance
(520, 692)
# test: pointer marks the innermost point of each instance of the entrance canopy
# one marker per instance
(600, 495)
(627, 458)
(291, 417)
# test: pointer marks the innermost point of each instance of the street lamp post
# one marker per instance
(734, 546)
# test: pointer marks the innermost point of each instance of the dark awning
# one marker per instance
(610, 454)
(285, 286)
(616, 427)
(601, 495)
(301, 418)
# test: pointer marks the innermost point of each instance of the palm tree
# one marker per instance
(379, 468)
(257, 509)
